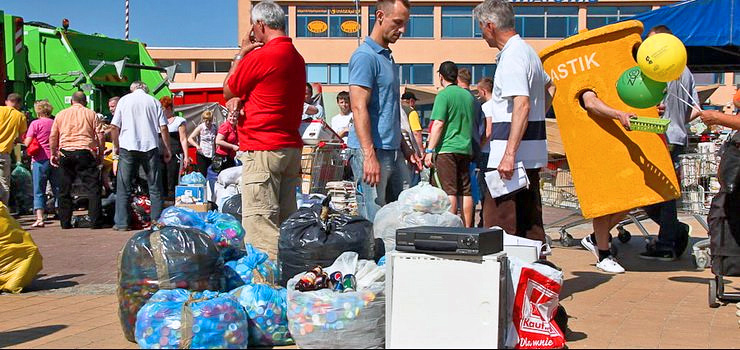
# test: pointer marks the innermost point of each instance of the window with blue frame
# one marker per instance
(335, 74)
(546, 21)
(420, 25)
(598, 16)
(327, 22)
(459, 22)
(479, 71)
(416, 74)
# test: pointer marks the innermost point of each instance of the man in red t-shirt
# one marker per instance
(268, 78)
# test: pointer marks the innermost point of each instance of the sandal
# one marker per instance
(38, 223)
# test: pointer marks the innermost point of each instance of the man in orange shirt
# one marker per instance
(12, 126)
(76, 150)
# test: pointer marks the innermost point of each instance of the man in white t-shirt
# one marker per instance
(519, 100)
(340, 123)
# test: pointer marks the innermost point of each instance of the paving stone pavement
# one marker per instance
(72, 303)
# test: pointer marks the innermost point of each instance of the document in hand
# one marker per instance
(499, 187)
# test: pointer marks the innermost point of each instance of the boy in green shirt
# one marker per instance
(450, 139)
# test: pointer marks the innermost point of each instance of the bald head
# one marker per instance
(79, 98)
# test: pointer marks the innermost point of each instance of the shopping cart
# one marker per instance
(699, 185)
(557, 191)
(322, 163)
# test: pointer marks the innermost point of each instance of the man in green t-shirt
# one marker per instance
(450, 139)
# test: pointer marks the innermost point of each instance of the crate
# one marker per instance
(654, 125)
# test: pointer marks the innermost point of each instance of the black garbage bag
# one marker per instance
(233, 206)
(81, 221)
(318, 236)
(169, 258)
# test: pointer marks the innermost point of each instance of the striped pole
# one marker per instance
(18, 36)
(126, 34)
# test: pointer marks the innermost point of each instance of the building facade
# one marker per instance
(326, 34)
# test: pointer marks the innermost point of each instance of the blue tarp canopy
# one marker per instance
(710, 29)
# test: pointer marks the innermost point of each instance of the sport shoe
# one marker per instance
(659, 254)
(589, 245)
(610, 265)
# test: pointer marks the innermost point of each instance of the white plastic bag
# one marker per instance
(533, 294)
(325, 319)
(230, 176)
(425, 198)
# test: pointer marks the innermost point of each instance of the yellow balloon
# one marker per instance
(662, 57)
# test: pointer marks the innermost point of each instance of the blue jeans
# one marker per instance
(128, 167)
(43, 173)
(394, 178)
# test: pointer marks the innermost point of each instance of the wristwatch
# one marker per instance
(428, 150)
(238, 57)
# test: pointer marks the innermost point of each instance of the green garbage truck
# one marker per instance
(40, 61)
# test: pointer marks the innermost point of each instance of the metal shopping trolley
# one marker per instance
(699, 185)
(557, 191)
(320, 164)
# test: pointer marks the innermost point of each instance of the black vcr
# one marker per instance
(450, 240)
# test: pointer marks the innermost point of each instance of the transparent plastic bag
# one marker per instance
(326, 319)
(180, 319)
(227, 232)
(395, 216)
(267, 308)
(182, 217)
(254, 267)
(425, 198)
(309, 238)
(169, 258)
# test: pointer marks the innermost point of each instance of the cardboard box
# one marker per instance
(190, 194)
(200, 207)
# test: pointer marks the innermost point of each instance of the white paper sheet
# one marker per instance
(499, 187)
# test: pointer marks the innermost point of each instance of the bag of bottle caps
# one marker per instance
(266, 307)
(317, 236)
(169, 258)
(194, 178)
(254, 267)
(180, 319)
(224, 230)
(353, 317)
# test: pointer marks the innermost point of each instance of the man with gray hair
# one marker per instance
(137, 124)
(268, 80)
(521, 96)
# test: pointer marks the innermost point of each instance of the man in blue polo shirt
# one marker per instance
(377, 159)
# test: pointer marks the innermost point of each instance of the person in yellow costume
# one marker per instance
(614, 170)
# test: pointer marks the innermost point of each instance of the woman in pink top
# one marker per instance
(42, 171)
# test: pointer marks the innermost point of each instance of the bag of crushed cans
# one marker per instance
(224, 229)
(318, 235)
(352, 316)
(254, 267)
(169, 258)
(180, 319)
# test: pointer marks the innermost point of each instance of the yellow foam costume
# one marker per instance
(20, 259)
(613, 170)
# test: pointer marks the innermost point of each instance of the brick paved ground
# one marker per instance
(72, 304)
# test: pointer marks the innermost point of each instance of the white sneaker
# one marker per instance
(586, 243)
(610, 265)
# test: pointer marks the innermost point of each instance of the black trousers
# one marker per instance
(79, 164)
(171, 178)
(203, 164)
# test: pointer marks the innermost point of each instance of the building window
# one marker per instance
(479, 71)
(214, 66)
(335, 74)
(458, 22)
(598, 16)
(420, 25)
(416, 74)
(323, 22)
(546, 21)
(710, 78)
(737, 79)
(183, 66)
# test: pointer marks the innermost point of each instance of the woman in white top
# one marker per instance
(206, 144)
(178, 145)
